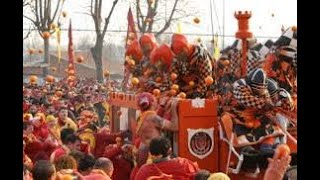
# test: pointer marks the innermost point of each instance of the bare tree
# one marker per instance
(146, 21)
(42, 14)
(95, 11)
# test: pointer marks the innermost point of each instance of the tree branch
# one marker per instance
(91, 8)
(55, 12)
(26, 36)
(37, 13)
(138, 12)
(108, 18)
(40, 15)
(49, 14)
(34, 22)
(167, 24)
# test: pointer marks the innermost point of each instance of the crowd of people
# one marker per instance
(66, 133)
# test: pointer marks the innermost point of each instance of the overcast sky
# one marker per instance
(267, 17)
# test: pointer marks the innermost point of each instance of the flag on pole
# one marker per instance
(131, 32)
(131, 36)
(71, 69)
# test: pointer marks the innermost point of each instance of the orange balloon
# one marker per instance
(208, 80)
(175, 87)
(135, 81)
(282, 151)
(182, 95)
(46, 35)
(173, 76)
(196, 20)
(191, 83)
(156, 92)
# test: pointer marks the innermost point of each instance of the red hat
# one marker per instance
(134, 50)
(178, 43)
(162, 53)
(148, 39)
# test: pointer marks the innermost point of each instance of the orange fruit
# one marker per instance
(173, 76)
(46, 35)
(53, 26)
(64, 14)
(156, 92)
(294, 28)
(80, 59)
(31, 51)
(196, 20)
(182, 95)
(208, 80)
(131, 62)
(40, 51)
(175, 87)
(33, 78)
(191, 83)
(59, 93)
(106, 73)
(226, 62)
(135, 81)
(49, 78)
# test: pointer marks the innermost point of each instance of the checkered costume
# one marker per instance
(198, 65)
(244, 95)
(255, 55)
(288, 38)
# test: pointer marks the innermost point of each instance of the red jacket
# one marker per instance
(177, 169)
(102, 140)
(122, 168)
